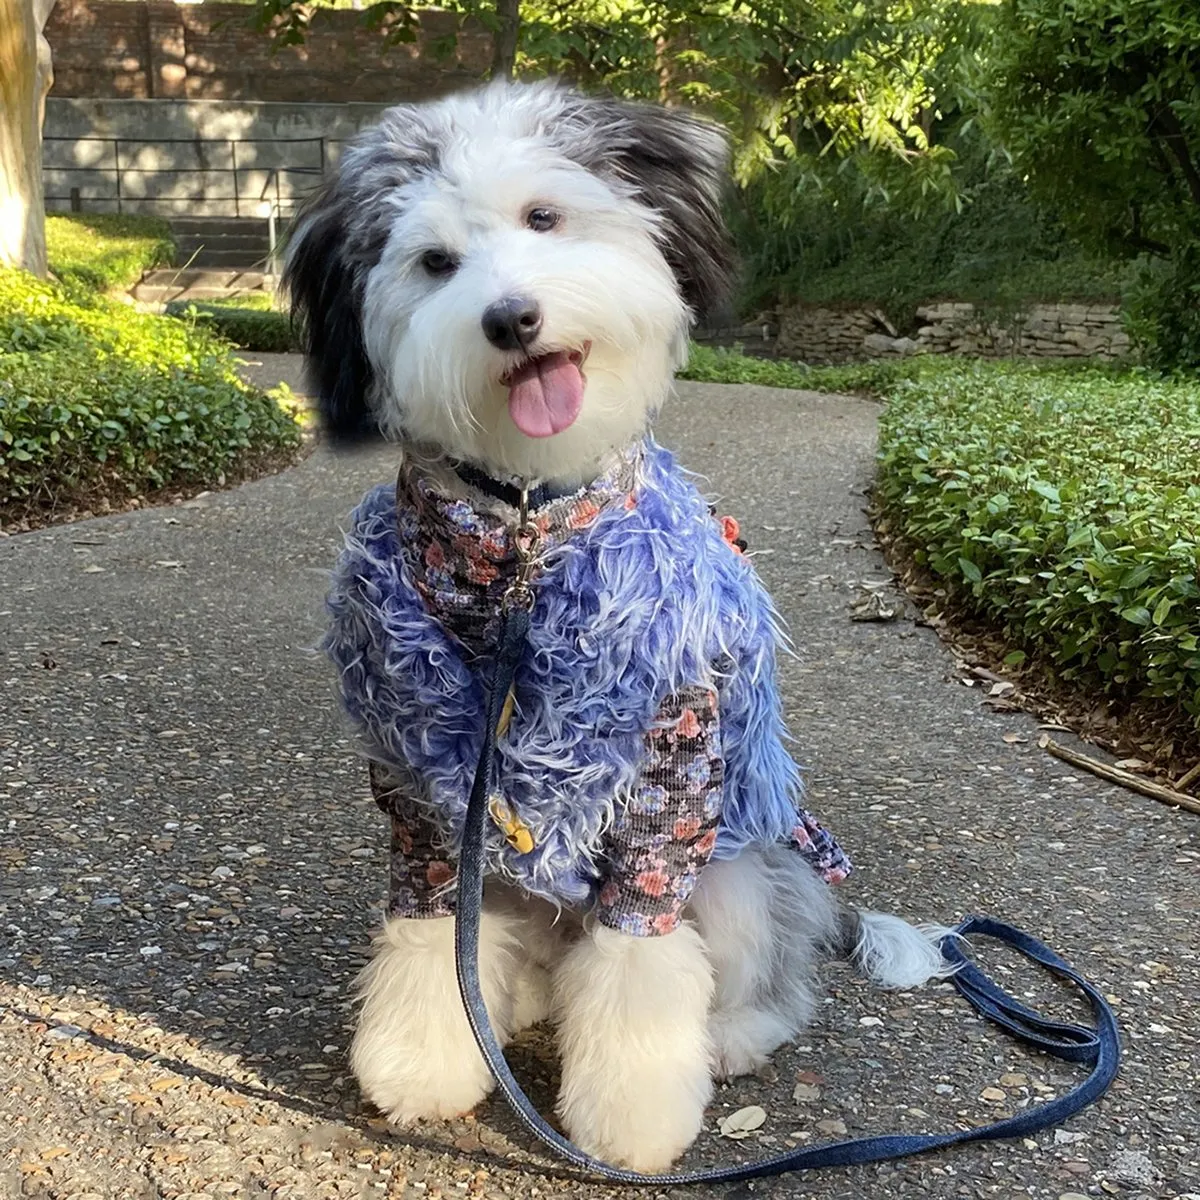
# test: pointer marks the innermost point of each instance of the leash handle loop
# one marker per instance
(1097, 1047)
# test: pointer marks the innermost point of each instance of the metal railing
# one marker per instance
(243, 193)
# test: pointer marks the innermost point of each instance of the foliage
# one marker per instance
(105, 251)
(997, 252)
(98, 398)
(1099, 104)
(1162, 309)
(707, 364)
(246, 321)
(1064, 505)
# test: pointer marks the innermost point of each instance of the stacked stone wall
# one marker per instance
(823, 335)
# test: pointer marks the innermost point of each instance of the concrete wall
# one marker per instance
(156, 49)
(179, 156)
(837, 335)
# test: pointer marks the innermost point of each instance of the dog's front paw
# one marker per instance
(634, 1040)
(407, 1091)
(413, 1052)
(642, 1118)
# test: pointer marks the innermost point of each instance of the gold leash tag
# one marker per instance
(506, 713)
(516, 832)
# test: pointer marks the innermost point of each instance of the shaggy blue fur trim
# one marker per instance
(640, 604)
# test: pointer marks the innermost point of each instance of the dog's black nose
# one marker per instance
(512, 324)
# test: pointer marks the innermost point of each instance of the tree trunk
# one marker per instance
(504, 44)
(26, 74)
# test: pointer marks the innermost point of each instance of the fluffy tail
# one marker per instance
(892, 953)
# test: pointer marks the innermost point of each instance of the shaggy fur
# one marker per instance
(600, 223)
(617, 626)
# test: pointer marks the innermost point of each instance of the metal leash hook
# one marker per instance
(527, 546)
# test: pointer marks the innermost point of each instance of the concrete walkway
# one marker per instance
(192, 863)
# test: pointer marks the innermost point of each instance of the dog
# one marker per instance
(504, 282)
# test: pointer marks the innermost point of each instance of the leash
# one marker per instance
(1097, 1047)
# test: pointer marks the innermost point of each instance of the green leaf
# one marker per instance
(970, 571)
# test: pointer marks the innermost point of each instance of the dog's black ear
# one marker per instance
(678, 165)
(339, 235)
(326, 300)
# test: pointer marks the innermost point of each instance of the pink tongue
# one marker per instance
(545, 395)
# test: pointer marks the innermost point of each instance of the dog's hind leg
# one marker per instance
(413, 1052)
(632, 1016)
(767, 920)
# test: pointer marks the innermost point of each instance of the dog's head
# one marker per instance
(509, 275)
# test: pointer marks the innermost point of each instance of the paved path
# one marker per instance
(192, 860)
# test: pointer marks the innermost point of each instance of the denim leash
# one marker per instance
(1098, 1048)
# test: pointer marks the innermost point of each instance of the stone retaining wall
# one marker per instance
(828, 335)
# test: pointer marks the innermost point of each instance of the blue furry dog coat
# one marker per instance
(647, 735)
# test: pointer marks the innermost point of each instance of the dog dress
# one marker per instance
(646, 737)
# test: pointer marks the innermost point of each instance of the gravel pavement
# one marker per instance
(192, 863)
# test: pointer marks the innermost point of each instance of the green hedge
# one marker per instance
(97, 398)
(1063, 504)
(248, 327)
(106, 251)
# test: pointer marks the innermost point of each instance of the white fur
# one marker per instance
(643, 1023)
(891, 953)
(599, 279)
(767, 920)
(633, 1034)
(413, 1051)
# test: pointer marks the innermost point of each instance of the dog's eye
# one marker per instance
(541, 220)
(438, 262)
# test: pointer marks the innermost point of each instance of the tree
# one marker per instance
(1098, 101)
(25, 77)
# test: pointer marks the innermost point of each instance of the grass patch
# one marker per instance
(1062, 506)
(708, 364)
(248, 321)
(106, 251)
(99, 400)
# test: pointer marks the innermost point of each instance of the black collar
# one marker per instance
(509, 493)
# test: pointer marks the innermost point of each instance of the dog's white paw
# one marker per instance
(633, 1032)
(743, 1040)
(643, 1116)
(413, 1052)
(409, 1073)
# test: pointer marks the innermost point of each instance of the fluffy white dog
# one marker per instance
(504, 282)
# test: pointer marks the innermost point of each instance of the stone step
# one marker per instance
(196, 283)
(216, 257)
(214, 225)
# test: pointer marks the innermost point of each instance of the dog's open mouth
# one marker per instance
(545, 393)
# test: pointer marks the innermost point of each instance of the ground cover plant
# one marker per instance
(106, 251)
(100, 403)
(250, 321)
(1061, 504)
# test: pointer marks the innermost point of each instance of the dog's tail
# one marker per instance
(890, 952)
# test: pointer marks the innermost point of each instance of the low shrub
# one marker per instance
(1063, 505)
(105, 251)
(99, 399)
(246, 322)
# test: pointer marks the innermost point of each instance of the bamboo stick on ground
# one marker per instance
(1189, 777)
(1118, 775)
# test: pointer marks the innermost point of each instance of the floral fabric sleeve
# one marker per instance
(668, 828)
(421, 878)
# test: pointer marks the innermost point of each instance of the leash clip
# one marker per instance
(527, 545)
